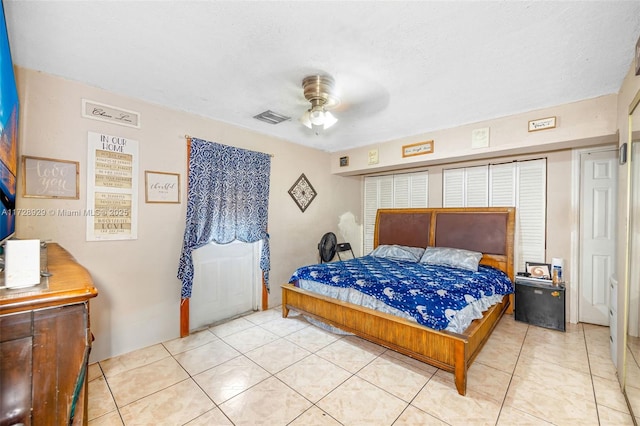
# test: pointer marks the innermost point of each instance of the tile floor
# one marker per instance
(632, 372)
(263, 369)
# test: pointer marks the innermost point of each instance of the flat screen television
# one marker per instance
(9, 128)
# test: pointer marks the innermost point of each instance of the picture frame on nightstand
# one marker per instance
(538, 270)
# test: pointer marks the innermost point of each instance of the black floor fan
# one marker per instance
(327, 247)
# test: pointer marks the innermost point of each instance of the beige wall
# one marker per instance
(139, 294)
(578, 124)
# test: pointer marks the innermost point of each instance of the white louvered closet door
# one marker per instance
(453, 188)
(502, 185)
(467, 187)
(531, 211)
(410, 190)
(378, 193)
(391, 191)
(401, 191)
(476, 186)
(521, 184)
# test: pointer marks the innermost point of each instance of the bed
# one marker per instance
(486, 230)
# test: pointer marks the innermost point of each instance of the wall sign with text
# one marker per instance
(419, 148)
(49, 178)
(542, 124)
(112, 188)
(161, 187)
(110, 114)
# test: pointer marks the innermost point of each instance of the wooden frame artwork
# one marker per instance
(419, 148)
(161, 187)
(542, 124)
(50, 178)
(489, 230)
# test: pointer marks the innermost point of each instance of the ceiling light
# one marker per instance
(318, 120)
(319, 91)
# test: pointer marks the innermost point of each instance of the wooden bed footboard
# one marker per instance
(445, 350)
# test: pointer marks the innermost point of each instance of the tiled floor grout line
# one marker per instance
(513, 372)
(589, 336)
(593, 386)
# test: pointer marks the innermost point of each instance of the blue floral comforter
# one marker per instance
(430, 294)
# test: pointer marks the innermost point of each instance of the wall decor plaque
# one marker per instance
(542, 124)
(419, 148)
(302, 192)
(161, 187)
(49, 178)
(110, 114)
(112, 188)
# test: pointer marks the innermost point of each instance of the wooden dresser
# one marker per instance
(44, 345)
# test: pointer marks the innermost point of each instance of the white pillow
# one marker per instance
(395, 252)
(457, 258)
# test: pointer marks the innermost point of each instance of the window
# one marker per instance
(391, 191)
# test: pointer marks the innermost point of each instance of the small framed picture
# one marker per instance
(49, 178)
(539, 270)
(161, 187)
(344, 161)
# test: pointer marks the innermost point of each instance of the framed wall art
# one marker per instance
(542, 124)
(110, 114)
(161, 187)
(419, 148)
(302, 192)
(112, 187)
(49, 178)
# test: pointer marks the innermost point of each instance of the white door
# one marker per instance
(226, 281)
(597, 234)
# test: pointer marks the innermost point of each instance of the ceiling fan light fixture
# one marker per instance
(318, 119)
(329, 119)
(316, 115)
(305, 120)
(319, 91)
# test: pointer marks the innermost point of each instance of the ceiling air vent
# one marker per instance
(271, 117)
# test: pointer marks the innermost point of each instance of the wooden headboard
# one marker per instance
(489, 230)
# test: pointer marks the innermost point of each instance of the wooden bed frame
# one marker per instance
(487, 230)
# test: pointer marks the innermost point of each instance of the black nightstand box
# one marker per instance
(540, 304)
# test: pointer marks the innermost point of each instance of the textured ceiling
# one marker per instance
(402, 68)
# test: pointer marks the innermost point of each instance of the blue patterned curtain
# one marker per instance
(227, 200)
